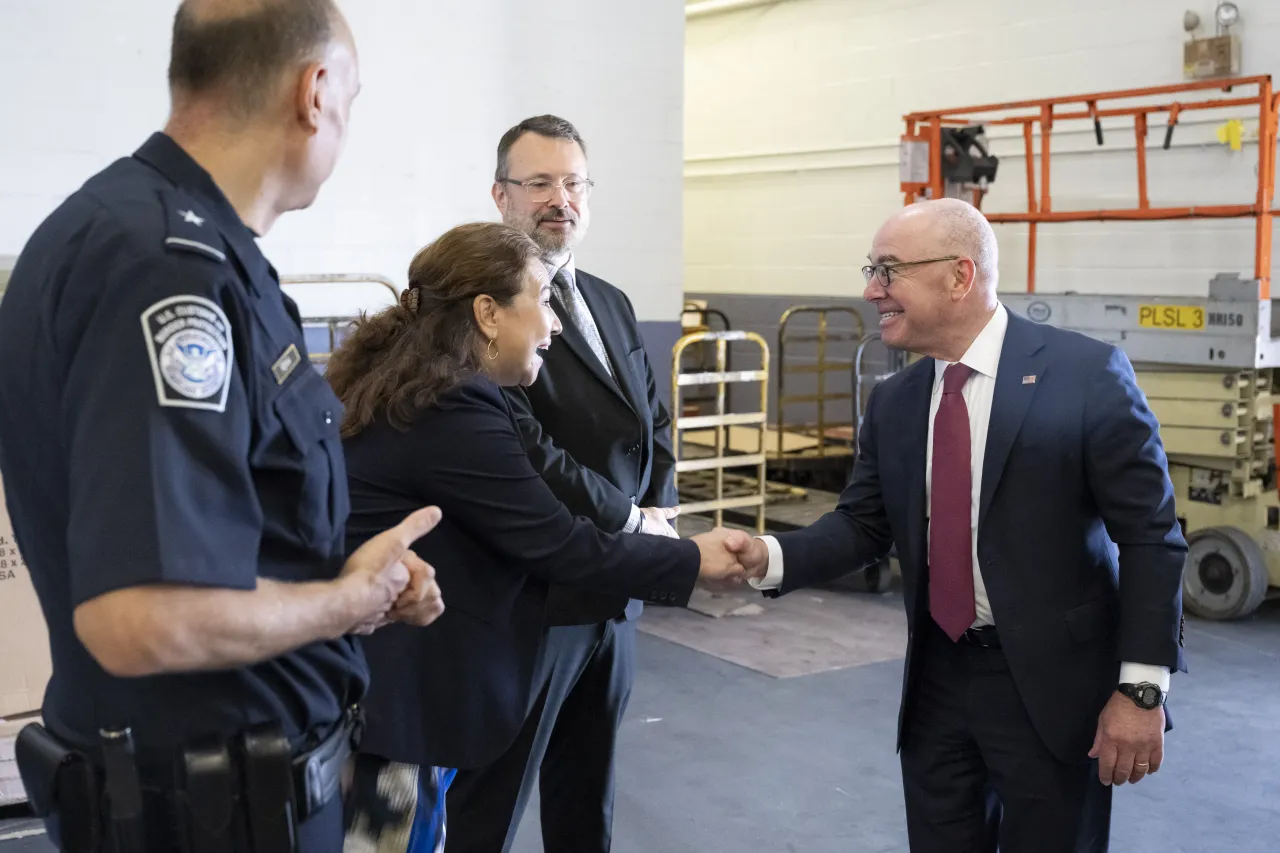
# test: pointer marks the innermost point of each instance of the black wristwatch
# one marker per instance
(1144, 694)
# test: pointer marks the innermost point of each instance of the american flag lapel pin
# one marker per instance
(1028, 380)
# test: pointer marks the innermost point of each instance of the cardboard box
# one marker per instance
(26, 666)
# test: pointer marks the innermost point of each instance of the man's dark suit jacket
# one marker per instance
(1074, 467)
(456, 693)
(601, 445)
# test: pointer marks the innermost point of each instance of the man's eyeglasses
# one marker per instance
(885, 271)
(540, 190)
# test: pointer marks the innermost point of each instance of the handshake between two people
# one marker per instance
(728, 556)
(387, 582)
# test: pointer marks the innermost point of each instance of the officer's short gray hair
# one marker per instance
(239, 47)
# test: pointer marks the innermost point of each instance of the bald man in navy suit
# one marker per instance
(1020, 473)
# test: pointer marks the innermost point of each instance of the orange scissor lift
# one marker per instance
(1209, 366)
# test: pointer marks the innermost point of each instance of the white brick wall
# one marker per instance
(793, 114)
(442, 81)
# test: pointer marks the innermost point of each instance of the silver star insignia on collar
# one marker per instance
(190, 216)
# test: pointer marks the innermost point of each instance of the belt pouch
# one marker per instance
(268, 787)
(60, 779)
(207, 799)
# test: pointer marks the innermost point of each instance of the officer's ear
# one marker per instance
(314, 89)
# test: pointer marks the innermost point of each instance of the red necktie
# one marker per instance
(950, 507)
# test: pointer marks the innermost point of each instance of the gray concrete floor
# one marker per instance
(717, 758)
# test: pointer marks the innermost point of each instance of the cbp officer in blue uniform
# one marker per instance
(174, 472)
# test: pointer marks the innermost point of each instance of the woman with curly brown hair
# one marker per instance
(426, 423)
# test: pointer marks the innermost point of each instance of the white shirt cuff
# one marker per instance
(773, 579)
(1136, 673)
(635, 521)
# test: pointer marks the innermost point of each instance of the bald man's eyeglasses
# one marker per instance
(885, 272)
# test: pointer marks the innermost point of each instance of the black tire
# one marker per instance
(1226, 574)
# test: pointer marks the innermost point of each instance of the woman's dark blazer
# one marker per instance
(456, 693)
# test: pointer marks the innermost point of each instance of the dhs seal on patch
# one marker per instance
(189, 341)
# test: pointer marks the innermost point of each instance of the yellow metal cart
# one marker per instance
(705, 448)
(824, 436)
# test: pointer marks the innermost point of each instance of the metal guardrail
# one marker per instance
(821, 430)
(896, 362)
(333, 324)
(702, 353)
(720, 422)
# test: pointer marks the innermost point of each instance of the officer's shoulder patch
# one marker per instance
(188, 228)
(189, 341)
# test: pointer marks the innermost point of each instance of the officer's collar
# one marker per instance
(169, 158)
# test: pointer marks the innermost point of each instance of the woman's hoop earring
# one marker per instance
(490, 351)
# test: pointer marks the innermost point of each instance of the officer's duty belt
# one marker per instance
(213, 794)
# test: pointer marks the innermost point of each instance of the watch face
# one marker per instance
(1150, 696)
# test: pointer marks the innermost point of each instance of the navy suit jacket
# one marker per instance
(1079, 544)
(601, 445)
(456, 693)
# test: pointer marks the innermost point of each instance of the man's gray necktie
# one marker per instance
(576, 307)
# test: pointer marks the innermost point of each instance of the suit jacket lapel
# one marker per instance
(1021, 356)
(917, 392)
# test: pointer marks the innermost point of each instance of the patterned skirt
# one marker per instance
(396, 808)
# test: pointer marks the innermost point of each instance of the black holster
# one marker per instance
(125, 820)
(62, 782)
(207, 799)
(270, 806)
(215, 795)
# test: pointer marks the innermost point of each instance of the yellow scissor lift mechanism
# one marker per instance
(1217, 424)
(334, 326)
(701, 474)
